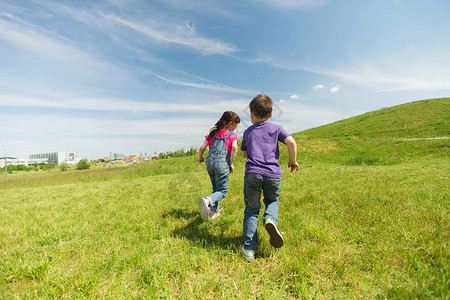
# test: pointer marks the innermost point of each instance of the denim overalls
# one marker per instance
(218, 167)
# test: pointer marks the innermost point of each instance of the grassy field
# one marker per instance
(365, 217)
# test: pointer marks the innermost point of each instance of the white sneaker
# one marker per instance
(214, 214)
(248, 254)
(276, 239)
(203, 203)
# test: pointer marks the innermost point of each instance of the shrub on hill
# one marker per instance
(83, 164)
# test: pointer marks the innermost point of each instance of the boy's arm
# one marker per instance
(244, 152)
(234, 149)
(201, 150)
(292, 150)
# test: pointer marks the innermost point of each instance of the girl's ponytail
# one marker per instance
(226, 118)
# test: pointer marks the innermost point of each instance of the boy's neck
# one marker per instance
(258, 120)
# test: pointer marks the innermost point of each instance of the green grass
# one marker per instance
(363, 218)
(419, 119)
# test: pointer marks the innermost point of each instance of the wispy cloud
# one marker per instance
(182, 34)
(295, 4)
(118, 105)
(209, 85)
(379, 79)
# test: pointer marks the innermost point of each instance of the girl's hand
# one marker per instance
(201, 159)
(231, 168)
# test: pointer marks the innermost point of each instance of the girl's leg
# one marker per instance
(220, 190)
(218, 171)
(252, 195)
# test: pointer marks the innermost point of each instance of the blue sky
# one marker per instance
(135, 76)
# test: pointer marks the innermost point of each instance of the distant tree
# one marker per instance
(83, 164)
(63, 167)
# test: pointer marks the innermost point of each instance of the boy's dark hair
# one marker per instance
(261, 106)
(226, 118)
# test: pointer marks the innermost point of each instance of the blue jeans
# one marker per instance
(218, 170)
(254, 184)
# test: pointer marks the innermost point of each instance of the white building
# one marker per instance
(57, 157)
(22, 161)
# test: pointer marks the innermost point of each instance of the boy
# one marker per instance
(263, 173)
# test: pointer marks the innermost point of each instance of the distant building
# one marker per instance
(22, 161)
(131, 158)
(57, 157)
(116, 156)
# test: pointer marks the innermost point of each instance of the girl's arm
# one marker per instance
(201, 150)
(234, 149)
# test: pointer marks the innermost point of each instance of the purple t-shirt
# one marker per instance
(261, 143)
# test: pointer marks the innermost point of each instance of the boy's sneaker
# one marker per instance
(248, 254)
(276, 239)
(204, 208)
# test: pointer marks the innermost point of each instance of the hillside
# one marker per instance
(384, 137)
(420, 119)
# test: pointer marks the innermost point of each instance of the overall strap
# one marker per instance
(224, 138)
(229, 133)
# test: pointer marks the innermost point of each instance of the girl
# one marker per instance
(223, 146)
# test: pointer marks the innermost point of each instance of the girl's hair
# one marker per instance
(226, 118)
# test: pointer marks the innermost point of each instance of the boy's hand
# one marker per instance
(231, 168)
(294, 166)
(201, 159)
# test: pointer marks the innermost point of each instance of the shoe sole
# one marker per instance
(203, 209)
(276, 240)
(249, 258)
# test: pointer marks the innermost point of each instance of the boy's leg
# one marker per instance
(252, 196)
(271, 187)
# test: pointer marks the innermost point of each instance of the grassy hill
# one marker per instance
(366, 216)
(387, 136)
(419, 119)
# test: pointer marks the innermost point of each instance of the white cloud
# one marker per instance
(295, 96)
(334, 89)
(318, 87)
